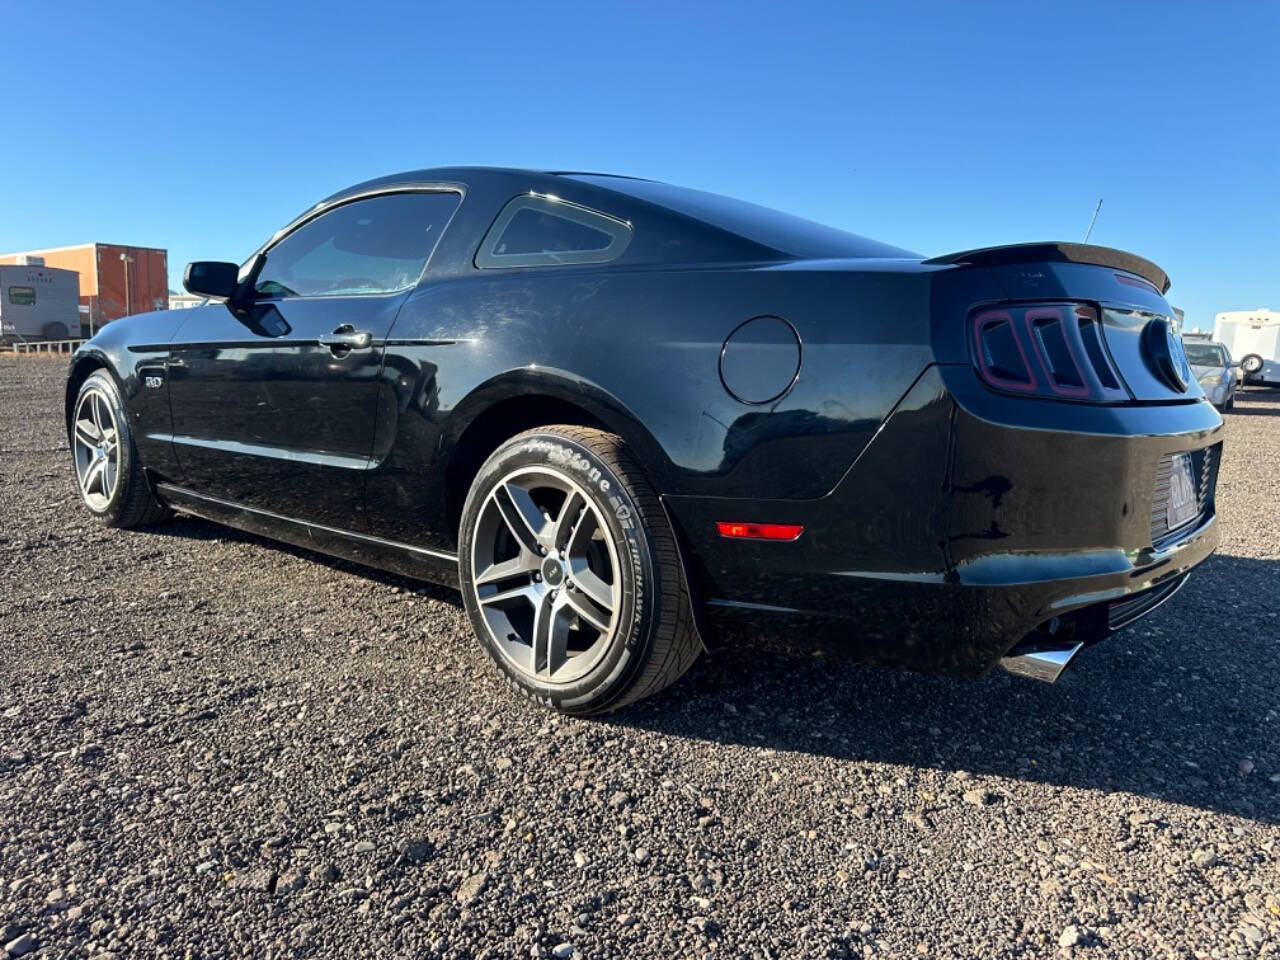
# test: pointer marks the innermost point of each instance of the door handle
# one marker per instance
(347, 337)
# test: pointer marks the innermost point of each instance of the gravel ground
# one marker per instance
(214, 746)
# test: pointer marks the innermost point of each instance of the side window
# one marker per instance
(22, 296)
(533, 231)
(372, 246)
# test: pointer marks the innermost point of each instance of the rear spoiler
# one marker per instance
(1058, 252)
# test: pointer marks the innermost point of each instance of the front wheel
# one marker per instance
(570, 573)
(109, 474)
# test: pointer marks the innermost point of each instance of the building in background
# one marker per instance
(183, 301)
(115, 280)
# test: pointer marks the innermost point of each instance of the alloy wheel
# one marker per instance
(97, 449)
(545, 575)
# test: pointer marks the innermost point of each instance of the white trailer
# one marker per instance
(39, 303)
(1252, 337)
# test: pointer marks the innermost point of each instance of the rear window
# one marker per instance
(779, 231)
(536, 231)
(532, 231)
(22, 296)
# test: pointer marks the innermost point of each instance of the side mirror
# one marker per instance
(1234, 365)
(211, 278)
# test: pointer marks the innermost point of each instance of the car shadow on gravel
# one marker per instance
(1168, 708)
(1181, 706)
(1257, 404)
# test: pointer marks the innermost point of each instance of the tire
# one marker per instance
(1230, 404)
(56, 331)
(122, 498)
(1251, 363)
(584, 489)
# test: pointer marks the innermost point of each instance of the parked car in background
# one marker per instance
(632, 421)
(38, 303)
(1212, 366)
(1253, 338)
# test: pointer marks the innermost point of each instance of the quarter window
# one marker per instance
(534, 231)
(373, 246)
(22, 296)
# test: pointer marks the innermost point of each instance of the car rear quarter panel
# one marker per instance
(639, 349)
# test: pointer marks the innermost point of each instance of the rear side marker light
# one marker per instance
(760, 531)
(1045, 350)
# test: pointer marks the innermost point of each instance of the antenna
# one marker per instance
(1093, 220)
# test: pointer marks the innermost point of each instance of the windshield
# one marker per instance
(1206, 354)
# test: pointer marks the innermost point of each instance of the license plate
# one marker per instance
(1183, 504)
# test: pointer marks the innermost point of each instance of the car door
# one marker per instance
(274, 402)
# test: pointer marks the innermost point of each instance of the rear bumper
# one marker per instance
(967, 523)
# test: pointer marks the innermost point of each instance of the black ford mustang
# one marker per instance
(632, 421)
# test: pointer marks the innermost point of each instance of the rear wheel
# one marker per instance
(109, 475)
(56, 331)
(570, 572)
(1251, 364)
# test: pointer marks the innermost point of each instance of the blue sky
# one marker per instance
(935, 127)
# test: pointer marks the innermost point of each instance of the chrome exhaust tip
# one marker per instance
(1042, 662)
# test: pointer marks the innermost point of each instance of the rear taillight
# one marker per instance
(1045, 350)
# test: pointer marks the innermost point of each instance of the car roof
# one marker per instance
(790, 235)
